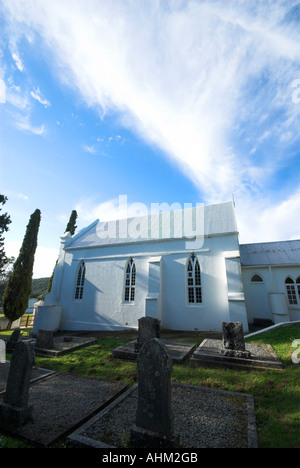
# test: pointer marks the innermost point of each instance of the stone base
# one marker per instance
(238, 353)
(179, 351)
(143, 438)
(13, 415)
(209, 354)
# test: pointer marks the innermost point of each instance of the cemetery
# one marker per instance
(149, 401)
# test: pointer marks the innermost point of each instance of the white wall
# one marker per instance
(164, 291)
(257, 294)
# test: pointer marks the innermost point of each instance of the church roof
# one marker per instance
(271, 253)
(210, 220)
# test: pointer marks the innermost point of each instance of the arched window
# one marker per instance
(130, 274)
(80, 281)
(291, 291)
(194, 291)
(298, 286)
(256, 279)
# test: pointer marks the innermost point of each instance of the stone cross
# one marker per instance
(149, 328)
(154, 418)
(44, 339)
(233, 340)
(15, 409)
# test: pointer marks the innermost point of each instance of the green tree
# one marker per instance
(71, 226)
(18, 289)
(4, 222)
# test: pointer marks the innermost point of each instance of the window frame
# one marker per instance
(256, 281)
(80, 281)
(297, 284)
(291, 291)
(193, 280)
(129, 289)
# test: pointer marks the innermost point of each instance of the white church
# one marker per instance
(184, 267)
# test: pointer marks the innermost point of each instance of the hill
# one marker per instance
(39, 288)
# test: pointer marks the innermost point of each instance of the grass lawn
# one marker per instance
(276, 393)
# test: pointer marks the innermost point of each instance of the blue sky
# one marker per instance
(164, 101)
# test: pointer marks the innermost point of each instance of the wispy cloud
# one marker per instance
(208, 82)
(18, 61)
(36, 94)
(89, 149)
(23, 123)
(2, 91)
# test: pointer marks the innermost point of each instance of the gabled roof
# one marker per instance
(210, 220)
(271, 253)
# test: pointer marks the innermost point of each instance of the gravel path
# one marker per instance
(203, 418)
(63, 401)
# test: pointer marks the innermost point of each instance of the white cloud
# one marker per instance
(89, 210)
(23, 123)
(2, 91)
(185, 76)
(265, 221)
(44, 259)
(89, 149)
(36, 94)
(18, 61)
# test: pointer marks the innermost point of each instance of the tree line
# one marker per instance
(16, 275)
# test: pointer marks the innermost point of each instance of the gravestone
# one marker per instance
(149, 328)
(154, 426)
(13, 340)
(233, 340)
(44, 339)
(15, 409)
(2, 351)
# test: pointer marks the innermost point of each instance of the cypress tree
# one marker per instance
(71, 226)
(4, 222)
(18, 289)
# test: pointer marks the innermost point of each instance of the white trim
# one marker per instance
(151, 241)
(281, 324)
(141, 255)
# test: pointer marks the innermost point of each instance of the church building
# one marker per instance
(184, 267)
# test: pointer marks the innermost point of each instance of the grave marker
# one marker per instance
(15, 409)
(149, 328)
(233, 340)
(154, 418)
(13, 339)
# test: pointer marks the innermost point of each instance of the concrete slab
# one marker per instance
(262, 357)
(179, 351)
(61, 346)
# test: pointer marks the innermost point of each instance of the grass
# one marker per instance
(276, 393)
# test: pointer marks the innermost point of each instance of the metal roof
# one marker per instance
(200, 220)
(271, 253)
